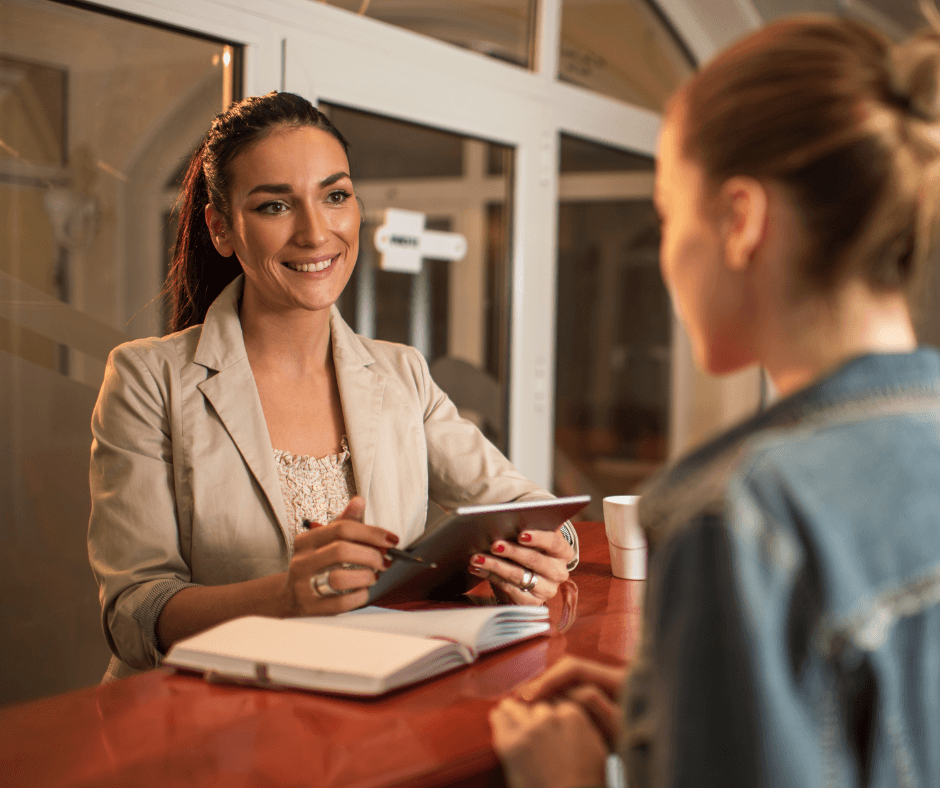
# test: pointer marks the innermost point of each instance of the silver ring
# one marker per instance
(529, 579)
(320, 584)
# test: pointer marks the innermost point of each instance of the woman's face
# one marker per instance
(692, 256)
(294, 221)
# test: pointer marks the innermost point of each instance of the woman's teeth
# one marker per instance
(307, 268)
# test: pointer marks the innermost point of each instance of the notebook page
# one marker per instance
(475, 627)
(308, 645)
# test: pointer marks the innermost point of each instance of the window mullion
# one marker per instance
(547, 38)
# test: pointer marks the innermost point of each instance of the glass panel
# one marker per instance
(385, 149)
(623, 49)
(96, 115)
(455, 312)
(576, 155)
(613, 330)
(502, 29)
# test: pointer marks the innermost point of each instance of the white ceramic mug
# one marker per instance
(626, 540)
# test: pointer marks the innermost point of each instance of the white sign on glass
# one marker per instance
(404, 242)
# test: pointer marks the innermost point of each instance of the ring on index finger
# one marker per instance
(529, 579)
(320, 584)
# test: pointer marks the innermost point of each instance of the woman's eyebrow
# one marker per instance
(329, 180)
(285, 188)
(272, 188)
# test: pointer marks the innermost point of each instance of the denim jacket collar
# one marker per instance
(864, 382)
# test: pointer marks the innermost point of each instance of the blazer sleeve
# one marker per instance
(463, 466)
(133, 533)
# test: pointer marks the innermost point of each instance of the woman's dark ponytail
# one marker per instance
(198, 273)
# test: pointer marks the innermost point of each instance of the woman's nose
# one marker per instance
(312, 227)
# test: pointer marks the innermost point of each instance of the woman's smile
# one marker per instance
(316, 265)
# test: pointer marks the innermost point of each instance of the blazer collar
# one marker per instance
(361, 392)
(221, 343)
(234, 396)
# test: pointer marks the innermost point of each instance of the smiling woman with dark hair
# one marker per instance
(215, 446)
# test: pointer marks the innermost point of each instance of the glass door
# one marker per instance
(97, 113)
(453, 311)
(613, 360)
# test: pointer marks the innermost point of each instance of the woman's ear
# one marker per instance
(218, 231)
(746, 199)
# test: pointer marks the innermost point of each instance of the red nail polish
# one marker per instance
(391, 538)
(475, 570)
(386, 562)
(479, 560)
(525, 537)
(499, 548)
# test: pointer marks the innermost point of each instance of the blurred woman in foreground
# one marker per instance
(792, 625)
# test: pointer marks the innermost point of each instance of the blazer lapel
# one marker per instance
(234, 396)
(361, 391)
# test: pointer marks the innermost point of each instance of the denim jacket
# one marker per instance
(792, 617)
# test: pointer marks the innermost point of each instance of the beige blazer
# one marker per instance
(184, 485)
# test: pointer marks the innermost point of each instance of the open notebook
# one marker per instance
(366, 652)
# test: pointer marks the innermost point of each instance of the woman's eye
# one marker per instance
(338, 197)
(275, 206)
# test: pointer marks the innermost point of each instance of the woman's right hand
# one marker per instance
(327, 548)
(593, 686)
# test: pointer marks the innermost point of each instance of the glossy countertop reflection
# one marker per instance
(167, 729)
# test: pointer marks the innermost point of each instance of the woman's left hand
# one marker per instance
(548, 745)
(527, 572)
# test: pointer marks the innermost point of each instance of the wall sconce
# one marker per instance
(74, 216)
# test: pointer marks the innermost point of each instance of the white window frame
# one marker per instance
(328, 54)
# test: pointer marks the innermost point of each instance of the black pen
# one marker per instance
(394, 552)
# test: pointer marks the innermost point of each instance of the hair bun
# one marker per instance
(914, 67)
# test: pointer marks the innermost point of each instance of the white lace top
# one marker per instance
(315, 489)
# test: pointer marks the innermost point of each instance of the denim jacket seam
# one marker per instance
(825, 413)
(828, 713)
(901, 752)
(704, 493)
(867, 626)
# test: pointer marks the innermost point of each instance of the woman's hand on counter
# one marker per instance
(594, 686)
(548, 745)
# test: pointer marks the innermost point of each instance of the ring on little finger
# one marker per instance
(529, 579)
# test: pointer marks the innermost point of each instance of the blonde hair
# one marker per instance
(846, 122)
